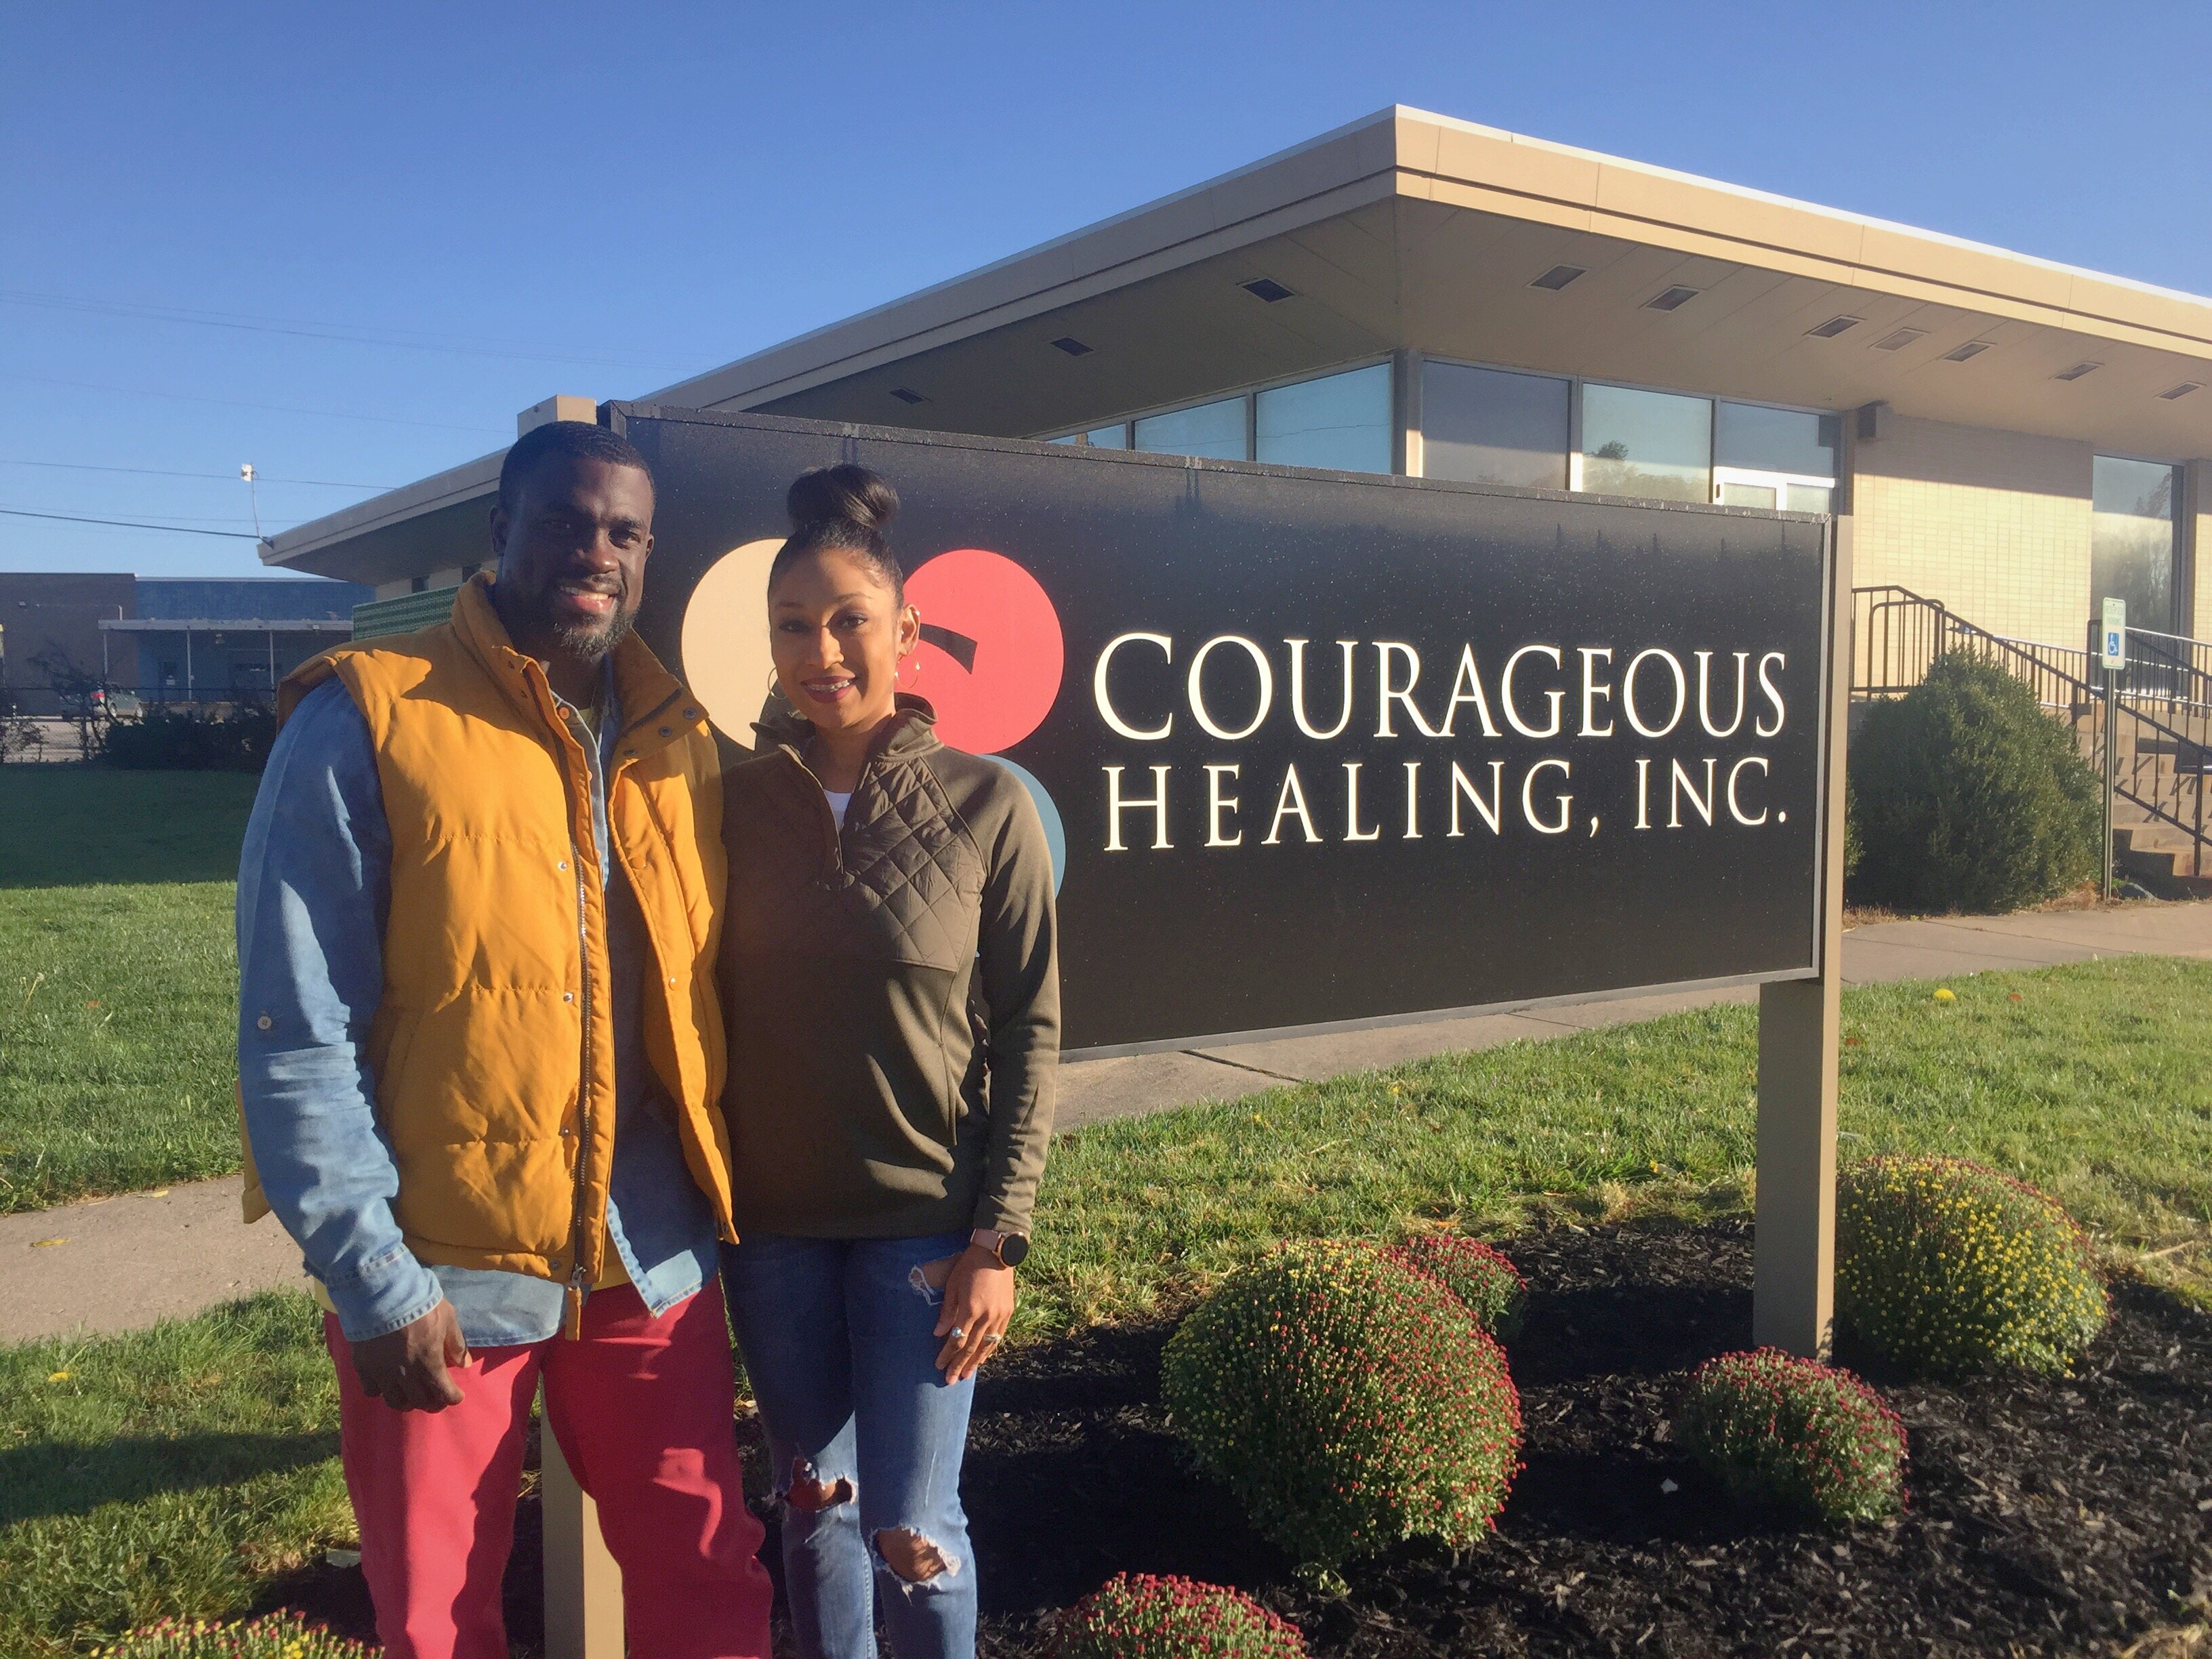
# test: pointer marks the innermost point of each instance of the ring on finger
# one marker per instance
(991, 1341)
(959, 1335)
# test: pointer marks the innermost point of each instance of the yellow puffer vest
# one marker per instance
(493, 1047)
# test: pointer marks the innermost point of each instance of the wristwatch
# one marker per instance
(1008, 1248)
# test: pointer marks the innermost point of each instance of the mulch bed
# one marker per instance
(2048, 1516)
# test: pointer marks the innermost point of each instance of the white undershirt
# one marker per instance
(838, 803)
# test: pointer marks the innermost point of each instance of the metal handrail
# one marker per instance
(1898, 634)
(2185, 665)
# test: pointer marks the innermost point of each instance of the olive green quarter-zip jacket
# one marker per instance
(892, 991)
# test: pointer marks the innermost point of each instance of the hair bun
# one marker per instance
(841, 494)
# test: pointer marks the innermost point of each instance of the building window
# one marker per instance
(2135, 545)
(1653, 444)
(1341, 422)
(1115, 436)
(1775, 458)
(1214, 431)
(1487, 426)
(418, 584)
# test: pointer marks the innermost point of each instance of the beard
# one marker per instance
(592, 640)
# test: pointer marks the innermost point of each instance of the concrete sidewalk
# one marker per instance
(116, 1263)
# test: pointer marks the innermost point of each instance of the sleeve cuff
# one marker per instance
(384, 1294)
(1003, 1218)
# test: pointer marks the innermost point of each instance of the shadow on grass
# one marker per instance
(80, 825)
(41, 1481)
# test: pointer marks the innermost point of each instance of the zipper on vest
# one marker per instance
(573, 1301)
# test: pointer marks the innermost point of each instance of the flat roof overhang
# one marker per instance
(1409, 230)
(222, 625)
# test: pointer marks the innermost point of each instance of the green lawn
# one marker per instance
(2096, 1083)
(80, 826)
(117, 1040)
(117, 981)
(167, 1471)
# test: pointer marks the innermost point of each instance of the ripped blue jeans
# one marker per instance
(864, 1436)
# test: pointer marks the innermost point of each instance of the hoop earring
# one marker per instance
(772, 688)
(914, 657)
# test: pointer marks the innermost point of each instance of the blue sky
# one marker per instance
(429, 218)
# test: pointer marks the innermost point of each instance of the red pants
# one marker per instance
(642, 1407)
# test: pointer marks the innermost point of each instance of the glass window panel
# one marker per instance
(1747, 494)
(1647, 443)
(1777, 439)
(1340, 421)
(2133, 547)
(1115, 436)
(1808, 498)
(1067, 438)
(1486, 426)
(1215, 431)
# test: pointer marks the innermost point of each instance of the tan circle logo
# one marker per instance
(726, 660)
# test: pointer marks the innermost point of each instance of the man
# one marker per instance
(480, 1056)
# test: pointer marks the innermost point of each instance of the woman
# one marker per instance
(894, 1019)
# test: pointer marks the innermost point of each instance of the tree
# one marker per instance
(81, 693)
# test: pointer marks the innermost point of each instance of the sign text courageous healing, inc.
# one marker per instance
(1454, 787)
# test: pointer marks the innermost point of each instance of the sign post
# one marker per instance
(1800, 1042)
(2113, 658)
(583, 1585)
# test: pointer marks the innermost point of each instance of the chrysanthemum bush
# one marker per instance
(1348, 1400)
(1945, 1267)
(1480, 1277)
(1787, 1432)
(1136, 1616)
(279, 1636)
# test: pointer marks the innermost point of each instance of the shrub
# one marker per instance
(1481, 1278)
(1787, 1433)
(279, 1636)
(1969, 797)
(1141, 1617)
(167, 741)
(1349, 1402)
(1945, 1267)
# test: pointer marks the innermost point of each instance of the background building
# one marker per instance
(171, 640)
(50, 621)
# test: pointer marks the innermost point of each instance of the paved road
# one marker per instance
(126, 1262)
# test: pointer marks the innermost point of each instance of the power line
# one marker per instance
(235, 403)
(410, 339)
(129, 524)
(162, 472)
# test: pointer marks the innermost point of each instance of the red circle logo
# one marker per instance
(991, 653)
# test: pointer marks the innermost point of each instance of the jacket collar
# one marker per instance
(656, 709)
(911, 731)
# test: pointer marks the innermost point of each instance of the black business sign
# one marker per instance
(1317, 748)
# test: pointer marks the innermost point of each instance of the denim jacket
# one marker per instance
(313, 894)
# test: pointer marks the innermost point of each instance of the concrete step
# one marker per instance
(2166, 870)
